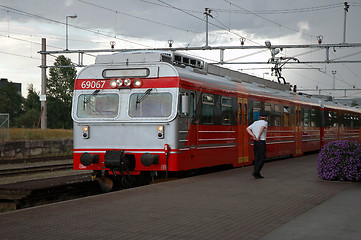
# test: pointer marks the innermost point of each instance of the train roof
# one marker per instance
(209, 73)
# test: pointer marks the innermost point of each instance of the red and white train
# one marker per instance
(139, 113)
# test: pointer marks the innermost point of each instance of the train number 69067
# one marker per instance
(92, 84)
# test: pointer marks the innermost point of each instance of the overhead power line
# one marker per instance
(268, 20)
(283, 11)
(201, 19)
(14, 10)
(137, 17)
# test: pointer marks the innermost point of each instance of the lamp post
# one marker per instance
(66, 20)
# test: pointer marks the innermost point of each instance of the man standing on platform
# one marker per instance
(258, 131)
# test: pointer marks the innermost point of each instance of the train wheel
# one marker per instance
(105, 183)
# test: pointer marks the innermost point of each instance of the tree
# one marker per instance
(60, 86)
(31, 107)
(10, 101)
(32, 101)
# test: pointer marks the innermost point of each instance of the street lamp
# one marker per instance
(73, 16)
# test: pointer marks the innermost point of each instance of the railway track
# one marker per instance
(39, 183)
(30, 182)
(34, 169)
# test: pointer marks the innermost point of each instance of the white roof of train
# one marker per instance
(186, 65)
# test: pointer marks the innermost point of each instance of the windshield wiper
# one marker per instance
(93, 94)
(144, 96)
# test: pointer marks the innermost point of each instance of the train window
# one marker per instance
(292, 116)
(268, 107)
(286, 116)
(350, 120)
(306, 117)
(313, 118)
(207, 109)
(256, 110)
(277, 115)
(356, 121)
(334, 119)
(191, 105)
(98, 106)
(153, 105)
(226, 110)
(277, 108)
(331, 119)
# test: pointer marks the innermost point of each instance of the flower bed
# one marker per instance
(340, 161)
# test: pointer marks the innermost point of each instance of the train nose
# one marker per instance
(86, 159)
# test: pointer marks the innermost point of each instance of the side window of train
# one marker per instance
(207, 116)
(190, 101)
(269, 109)
(345, 120)
(292, 116)
(277, 113)
(331, 119)
(315, 118)
(256, 110)
(328, 118)
(306, 117)
(286, 116)
(357, 121)
(350, 120)
(334, 119)
(226, 110)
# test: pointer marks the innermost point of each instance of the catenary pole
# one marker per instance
(43, 85)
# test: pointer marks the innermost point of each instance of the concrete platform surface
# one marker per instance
(289, 203)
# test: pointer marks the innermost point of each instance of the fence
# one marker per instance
(4, 125)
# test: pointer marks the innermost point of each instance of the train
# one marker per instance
(137, 114)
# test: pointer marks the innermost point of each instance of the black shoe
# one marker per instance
(260, 176)
(256, 176)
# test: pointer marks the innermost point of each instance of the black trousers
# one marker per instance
(259, 156)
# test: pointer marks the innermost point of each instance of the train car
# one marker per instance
(140, 113)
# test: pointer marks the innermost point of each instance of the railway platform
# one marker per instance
(289, 203)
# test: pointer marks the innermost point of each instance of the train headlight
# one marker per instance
(127, 82)
(85, 132)
(119, 82)
(137, 82)
(160, 132)
(113, 83)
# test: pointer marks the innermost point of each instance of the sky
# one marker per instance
(134, 24)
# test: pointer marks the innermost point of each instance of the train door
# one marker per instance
(298, 131)
(192, 122)
(242, 118)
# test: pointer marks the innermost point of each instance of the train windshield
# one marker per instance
(98, 106)
(150, 104)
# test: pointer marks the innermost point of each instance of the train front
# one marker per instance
(124, 107)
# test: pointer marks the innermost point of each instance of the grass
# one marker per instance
(37, 134)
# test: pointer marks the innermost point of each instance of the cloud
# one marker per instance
(303, 26)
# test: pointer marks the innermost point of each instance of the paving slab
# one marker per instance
(223, 205)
